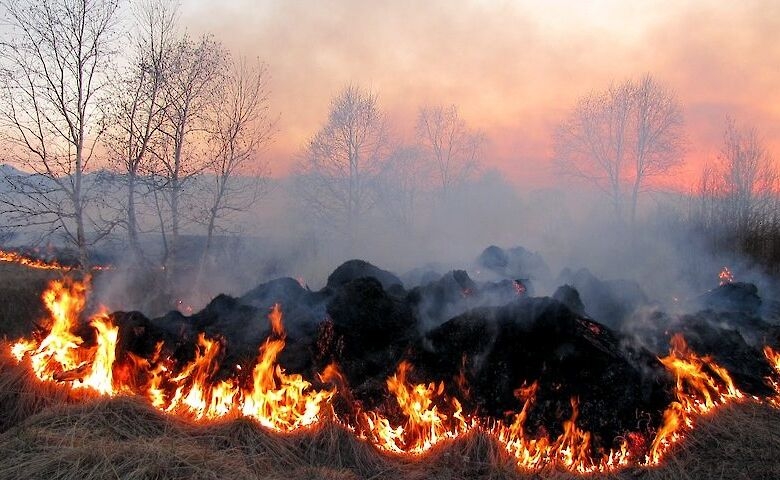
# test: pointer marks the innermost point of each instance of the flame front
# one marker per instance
(201, 389)
(60, 355)
(570, 450)
(277, 400)
(14, 257)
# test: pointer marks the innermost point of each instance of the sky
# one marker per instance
(513, 68)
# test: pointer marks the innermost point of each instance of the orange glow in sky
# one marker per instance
(512, 67)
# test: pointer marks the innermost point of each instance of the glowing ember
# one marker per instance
(725, 276)
(701, 385)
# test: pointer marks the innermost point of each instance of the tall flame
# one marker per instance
(570, 450)
(701, 385)
(774, 361)
(425, 424)
(277, 400)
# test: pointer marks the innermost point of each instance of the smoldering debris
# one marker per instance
(484, 339)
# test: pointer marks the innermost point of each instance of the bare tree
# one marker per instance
(451, 146)
(621, 136)
(657, 140)
(592, 142)
(404, 181)
(338, 176)
(748, 178)
(194, 72)
(55, 63)
(738, 201)
(139, 107)
(241, 127)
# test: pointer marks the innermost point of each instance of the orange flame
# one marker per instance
(277, 400)
(40, 264)
(60, 356)
(425, 424)
(14, 257)
(701, 385)
(774, 361)
(725, 276)
(571, 450)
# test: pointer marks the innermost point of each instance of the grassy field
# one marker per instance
(45, 432)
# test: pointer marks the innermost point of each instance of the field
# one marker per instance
(48, 433)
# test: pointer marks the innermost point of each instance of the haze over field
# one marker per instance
(513, 67)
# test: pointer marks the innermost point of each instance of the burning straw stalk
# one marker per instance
(288, 403)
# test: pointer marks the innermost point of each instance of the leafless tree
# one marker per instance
(55, 63)
(451, 146)
(139, 107)
(621, 136)
(657, 134)
(404, 183)
(240, 128)
(338, 176)
(739, 197)
(194, 72)
(747, 178)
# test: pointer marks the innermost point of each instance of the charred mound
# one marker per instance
(484, 340)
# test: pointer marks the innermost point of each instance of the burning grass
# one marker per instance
(66, 414)
(124, 437)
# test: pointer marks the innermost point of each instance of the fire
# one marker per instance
(40, 264)
(774, 361)
(701, 386)
(425, 424)
(571, 450)
(14, 257)
(275, 399)
(725, 276)
(60, 355)
(201, 388)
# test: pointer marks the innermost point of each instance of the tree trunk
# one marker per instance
(132, 223)
(81, 241)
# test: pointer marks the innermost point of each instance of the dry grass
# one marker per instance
(20, 298)
(47, 435)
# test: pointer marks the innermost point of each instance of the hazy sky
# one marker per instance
(513, 67)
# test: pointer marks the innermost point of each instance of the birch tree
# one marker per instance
(617, 139)
(139, 107)
(55, 64)
(452, 148)
(339, 173)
